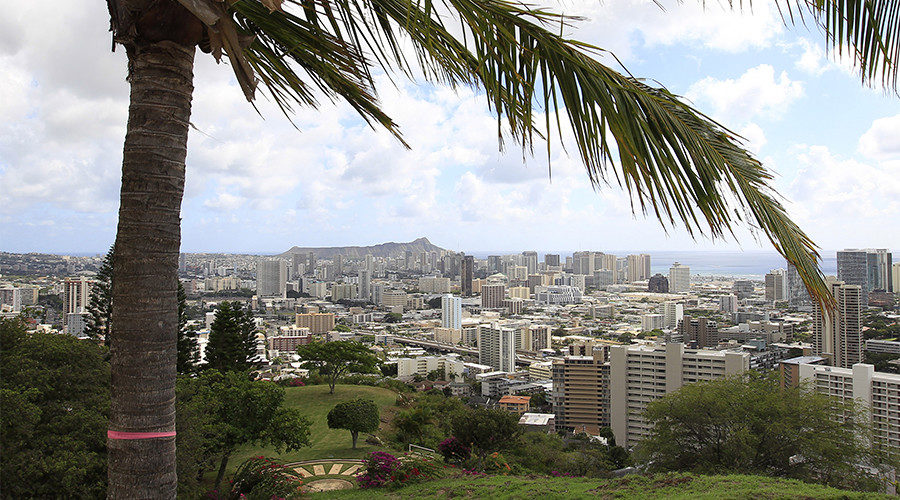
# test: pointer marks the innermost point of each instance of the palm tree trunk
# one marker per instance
(145, 309)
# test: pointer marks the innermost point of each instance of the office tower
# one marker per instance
(533, 281)
(878, 393)
(656, 284)
(796, 290)
(638, 267)
(551, 259)
(451, 312)
(423, 262)
(497, 347)
(639, 374)
(895, 277)
(743, 289)
(530, 259)
(580, 393)
(338, 265)
(310, 262)
(679, 278)
(370, 263)
(878, 269)
(728, 303)
(408, 260)
(365, 284)
(76, 295)
(466, 270)
(316, 322)
(774, 287)
(492, 296)
(838, 335)
(494, 264)
(296, 265)
(703, 332)
(672, 312)
(271, 278)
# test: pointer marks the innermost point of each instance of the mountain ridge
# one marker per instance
(389, 249)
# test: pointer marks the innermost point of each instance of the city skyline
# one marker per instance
(254, 183)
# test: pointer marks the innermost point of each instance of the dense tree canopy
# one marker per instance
(335, 359)
(485, 430)
(752, 425)
(54, 403)
(360, 415)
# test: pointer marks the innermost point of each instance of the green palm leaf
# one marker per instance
(673, 160)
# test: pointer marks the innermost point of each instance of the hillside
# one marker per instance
(391, 249)
(686, 486)
(315, 402)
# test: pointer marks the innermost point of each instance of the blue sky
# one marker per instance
(257, 185)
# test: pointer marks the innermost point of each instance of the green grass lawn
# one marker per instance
(315, 402)
(680, 486)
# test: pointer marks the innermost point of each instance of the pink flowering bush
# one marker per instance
(380, 466)
(386, 470)
(260, 478)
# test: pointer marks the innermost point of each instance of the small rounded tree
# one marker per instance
(356, 416)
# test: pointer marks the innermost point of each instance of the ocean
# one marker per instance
(750, 264)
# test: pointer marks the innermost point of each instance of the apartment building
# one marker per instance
(580, 393)
(640, 373)
(316, 322)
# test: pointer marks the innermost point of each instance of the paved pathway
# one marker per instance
(319, 475)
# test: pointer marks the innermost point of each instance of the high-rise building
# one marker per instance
(838, 334)
(338, 265)
(296, 265)
(580, 393)
(271, 278)
(639, 374)
(672, 312)
(365, 284)
(895, 277)
(728, 303)
(310, 262)
(370, 263)
(797, 295)
(466, 271)
(451, 312)
(551, 259)
(679, 278)
(650, 322)
(497, 347)
(638, 268)
(774, 286)
(12, 297)
(341, 291)
(530, 259)
(657, 283)
(583, 263)
(408, 260)
(492, 296)
(703, 332)
(878, 393)
(494, 263)
(867, 268)
(878, 269)
(743, 289)
(76, 295)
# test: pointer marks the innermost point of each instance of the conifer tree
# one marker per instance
(232, 338)
(99, 309)
(188, 353)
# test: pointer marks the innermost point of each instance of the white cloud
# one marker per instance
(755, 137)
(882, 140)
(756, 93)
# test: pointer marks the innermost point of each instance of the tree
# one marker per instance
(54, 403)
(673, 160)
(752, 425)
(188, 353)
(232, 338)
(236, 410)
(393, 317)
(335, 359)
(486, 431)
(99, 309)
(356, 416)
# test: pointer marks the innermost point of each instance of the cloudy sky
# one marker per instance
(256, 184)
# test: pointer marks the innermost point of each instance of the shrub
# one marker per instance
(263, 479)
(414, 470)
(453, 450)
(380, 466)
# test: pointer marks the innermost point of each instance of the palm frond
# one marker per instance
(674, 161)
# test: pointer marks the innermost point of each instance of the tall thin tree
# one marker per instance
(673, 160)
(99, 309)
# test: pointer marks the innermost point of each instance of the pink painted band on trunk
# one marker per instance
(138, 435)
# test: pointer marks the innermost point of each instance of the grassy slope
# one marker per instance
(684, 486)
(315, 402)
